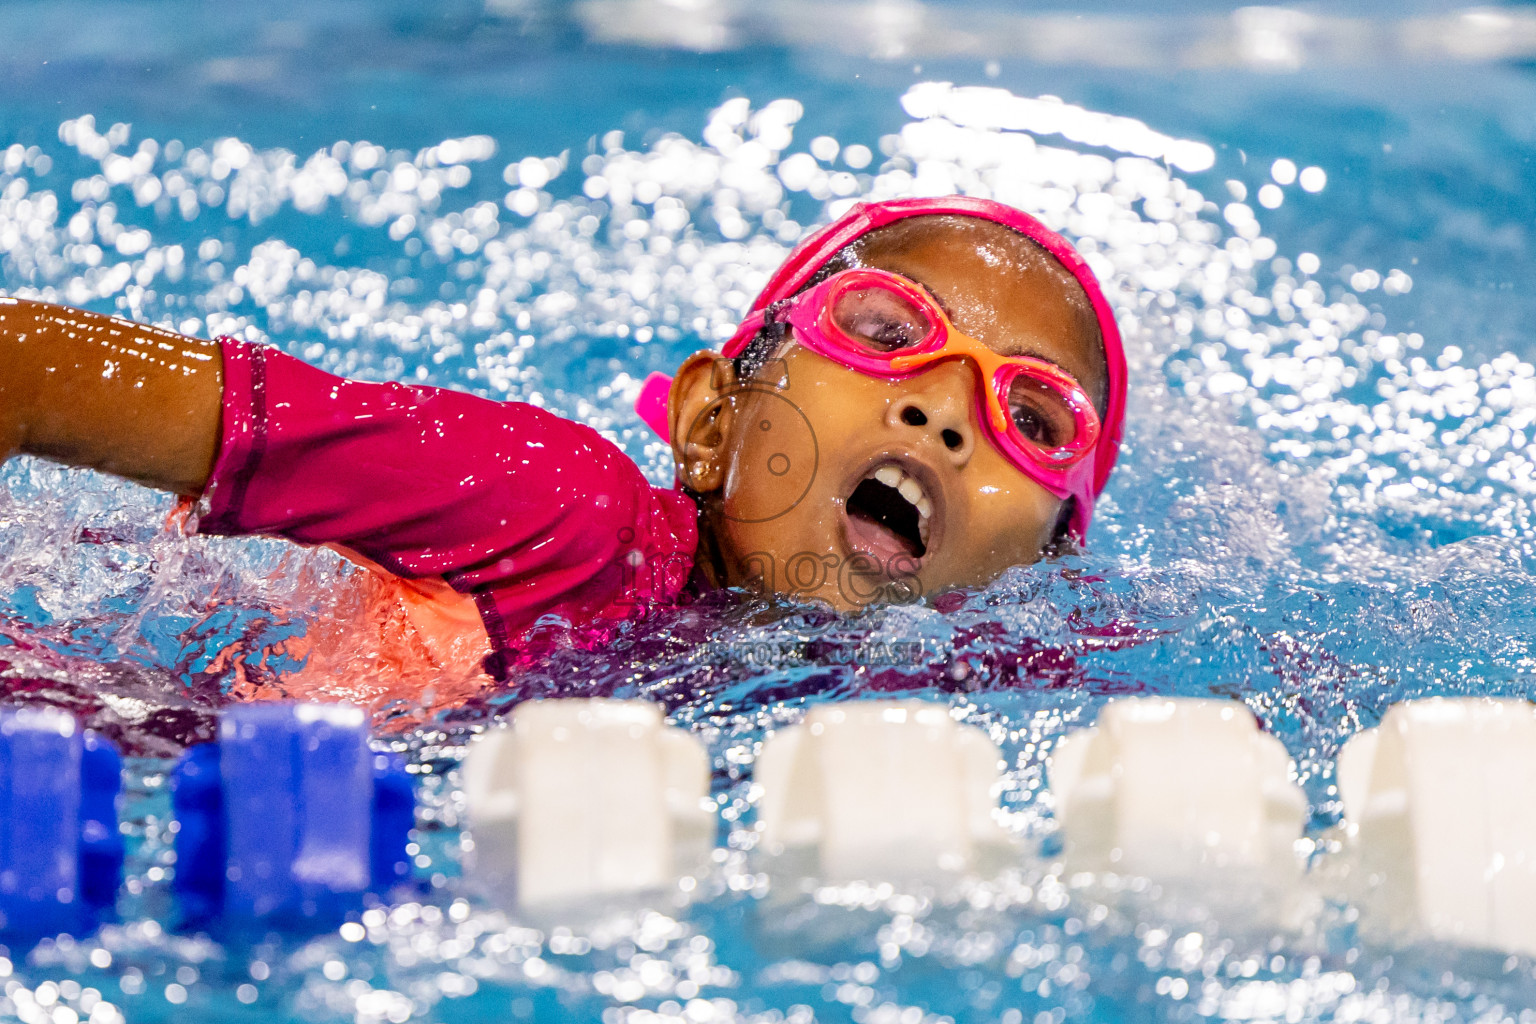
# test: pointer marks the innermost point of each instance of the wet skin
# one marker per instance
(777, 457)
(92, 390)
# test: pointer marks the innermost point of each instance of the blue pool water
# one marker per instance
(1325, 507)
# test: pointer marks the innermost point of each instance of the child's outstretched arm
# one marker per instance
(529, 513)
(92, 390)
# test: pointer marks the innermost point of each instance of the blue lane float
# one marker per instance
(61, 854)
(289, 819)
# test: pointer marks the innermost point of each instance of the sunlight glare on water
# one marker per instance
(1319, 512)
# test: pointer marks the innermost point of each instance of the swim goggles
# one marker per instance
(883, 325)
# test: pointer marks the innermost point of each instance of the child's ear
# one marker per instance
(700, 411)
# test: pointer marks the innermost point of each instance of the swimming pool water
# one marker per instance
(1325, 505)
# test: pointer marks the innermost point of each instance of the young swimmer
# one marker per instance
(927, 392)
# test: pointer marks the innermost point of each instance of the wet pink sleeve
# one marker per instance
(531, 513)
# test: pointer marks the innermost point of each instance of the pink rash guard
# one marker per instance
(529, 514)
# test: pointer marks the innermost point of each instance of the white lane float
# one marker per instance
(1442, 843)
(1177, 788)
(879, 790)
(585, 798)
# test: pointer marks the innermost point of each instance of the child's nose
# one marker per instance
(937, 404)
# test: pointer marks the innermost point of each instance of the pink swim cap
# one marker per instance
(812, 254)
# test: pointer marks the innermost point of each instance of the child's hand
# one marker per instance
(95, 391)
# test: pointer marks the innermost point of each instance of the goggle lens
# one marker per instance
(880, 320)
(1045, 417)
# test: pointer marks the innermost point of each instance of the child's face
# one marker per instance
(782, 459)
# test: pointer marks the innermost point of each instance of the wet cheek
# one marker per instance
(765, 518)
(773, 463)
(1014, 525)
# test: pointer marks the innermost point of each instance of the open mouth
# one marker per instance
(889, 514)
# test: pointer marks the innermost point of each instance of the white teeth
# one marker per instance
(910, 489)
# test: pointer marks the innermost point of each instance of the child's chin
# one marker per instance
(861, 584)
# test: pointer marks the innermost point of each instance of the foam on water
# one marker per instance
(1319, 513)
